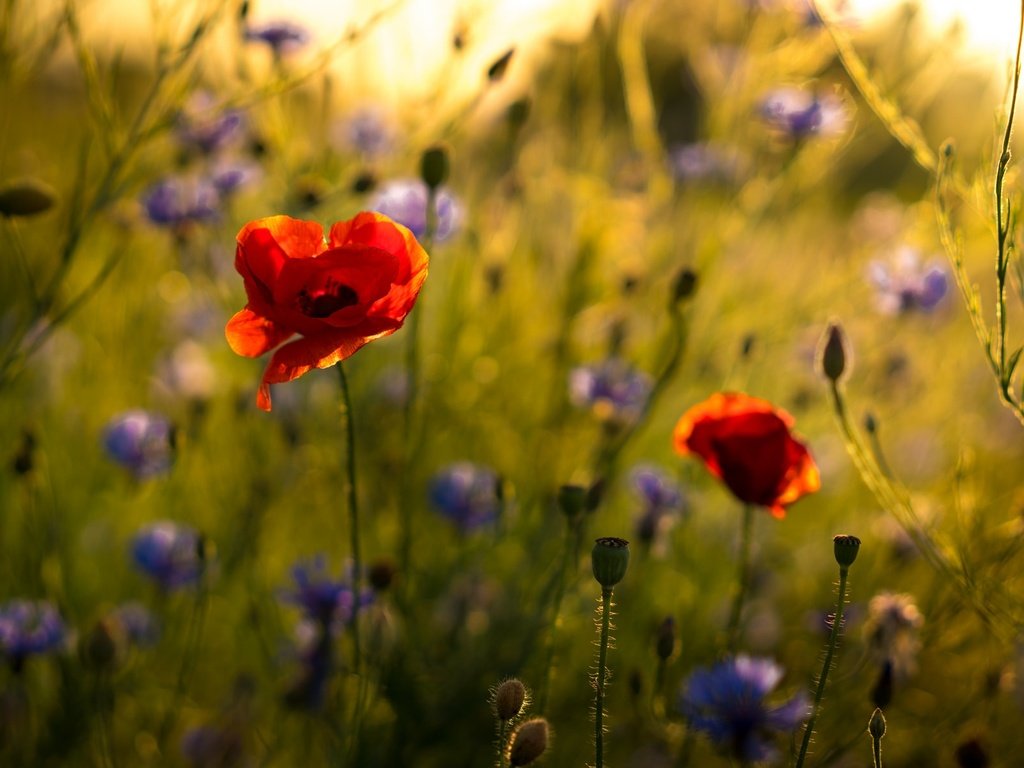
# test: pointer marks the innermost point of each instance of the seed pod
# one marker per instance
(610, 558)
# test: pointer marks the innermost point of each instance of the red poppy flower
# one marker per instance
(336, 294)
(746, 443)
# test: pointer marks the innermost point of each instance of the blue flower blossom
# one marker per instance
(727, 702)
(139, 625)
(30, 628)
(368, 132)
(178, 201)
(800, 114)
(280, 36)
(904, 284)
(140, 441)
(612, 389)
(170, 554)
(661, 501)
(405, 201)
(200, 127)
(467, 494)
(323, 599)
(704, 162)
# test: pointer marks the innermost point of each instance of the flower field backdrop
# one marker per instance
(647, 397)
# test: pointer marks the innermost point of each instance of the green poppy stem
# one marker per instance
(600, 680)
(743, 579)
(833, 639)
(353, 511)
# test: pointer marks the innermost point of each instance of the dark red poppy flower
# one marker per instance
(336, 294)
(746, 443)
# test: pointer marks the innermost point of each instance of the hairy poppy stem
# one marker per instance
(743, 579)
(826, 665)
(599, 681)
(353, 511)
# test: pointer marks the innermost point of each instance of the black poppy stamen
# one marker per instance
(327, 301)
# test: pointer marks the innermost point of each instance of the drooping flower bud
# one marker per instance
(610, 558)
(528, 743)
(25, 197)
(665, 639)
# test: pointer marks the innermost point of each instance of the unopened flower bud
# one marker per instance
(876, 725)
(434, 167)
(610, 558)
(382, 574)
(572, 500)
(25, 197)
(846, 549)
(972, 754)
(685, 285)
(497, 70)
(509, 698)
(833, 355)
(528, 742)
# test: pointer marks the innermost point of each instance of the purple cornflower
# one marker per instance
(324, 600)
(201, 127)
(661, 497)
(280, 36)
(405, 201)
(29, 628)
(467, 494)
(905, 284)
(140, 627)
(177, 201)
(727, 703)
(800, 114)
(368, 132)
(704, 162)
(140, 441)
(227, 176)
(612, 389)
(169, 553)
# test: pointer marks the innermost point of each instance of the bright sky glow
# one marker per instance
(990, 26)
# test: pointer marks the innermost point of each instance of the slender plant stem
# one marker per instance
(876, 751)
(353, 512)
(743, 579)
(599, 681)
(188, 661)
(502, 735)
(826, 665)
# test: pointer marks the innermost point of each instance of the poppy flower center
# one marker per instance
(325, 301)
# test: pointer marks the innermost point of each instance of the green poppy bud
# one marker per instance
(610, 558)
(434, 167)
(528, 742)
(509, 698)
(833, 356)
(846, 549)
(876, 725)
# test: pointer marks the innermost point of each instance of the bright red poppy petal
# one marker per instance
(303, 355)
(367, 271)
(251, 335)
(297, 238)
(377, 230)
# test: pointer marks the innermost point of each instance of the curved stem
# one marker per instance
(826, 665)
(599, 681)
(743, 579)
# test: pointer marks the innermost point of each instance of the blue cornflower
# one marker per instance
(612, 389)
(29, 628)
(727, 703)
(178, 201)
(704, 162)
(169, 553)
(323, 599)
(369, 132)
(280, 36)
(140, 441)
(800, 114)
(139, 625)
(661, 497)
(200, 127)
(227, 177)
(467, 494)
(405, 201)
(905, 284)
